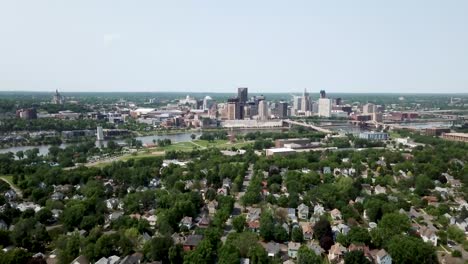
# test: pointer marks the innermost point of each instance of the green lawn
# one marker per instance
(9, 179)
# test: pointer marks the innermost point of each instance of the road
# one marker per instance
(19, 193)
(237, 210)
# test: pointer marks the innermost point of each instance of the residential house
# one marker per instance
(336, 253)
(382, 257)
(293, 248)
(151, 219)
(222, 191)
(204, 222)
(340, 228)
(428, 235)
(254, 225)
(57, 196)
(314, 246)
(10, 195)
(114, 203)
(115, 215)
(292, 214)
(80, 260)
(303, 211)
(380, 190)
(327, 170)
(135, 258)
(319, 210)
(272, 249)
(254, 213)
(227, 183)
(336, 214)
(109, 260)
(212, 206)
(307, 230)
(365, 250)
(187, 222)
(192, 242)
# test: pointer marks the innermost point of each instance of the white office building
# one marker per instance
(324, 107)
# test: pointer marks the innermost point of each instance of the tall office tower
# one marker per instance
(323, 94)
(253, 109)
(58, 98)
(368, 109)
(297, 102)
(305, 102)
(324, 107)
(282, 110)
(338, 101)
(242, 94)
(99, 133)
(263, 110)
(207, 102)
(233, 109)
(314, 108)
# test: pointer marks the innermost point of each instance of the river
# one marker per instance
(179, 137)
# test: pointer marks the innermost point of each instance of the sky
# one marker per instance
(398, 46)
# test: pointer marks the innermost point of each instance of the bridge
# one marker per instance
(317, 128)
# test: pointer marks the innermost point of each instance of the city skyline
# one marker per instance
(398, 47)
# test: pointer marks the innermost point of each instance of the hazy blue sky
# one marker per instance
(201, 45)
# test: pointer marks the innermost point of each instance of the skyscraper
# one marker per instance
(324, 107)
(282, 110)
(263, 110)
(233, 109)
(305, 101)
(297, 100)
(242, 94)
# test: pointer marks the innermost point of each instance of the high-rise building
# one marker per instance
(305, 101)
(58, 98)
(282, 110)
(26, 113)
(323, 94)
(263, 110)
(324, 107)
(233, 109)
(99, 133)
(338, 101)
(242, 94)
(297, 102)
(207, 103)
(368, 109)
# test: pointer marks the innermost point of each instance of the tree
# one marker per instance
(176, 254)
(44, 215)
(307, 256)
(20, 154)
(193, 136)
(322, 228)
(456, 234)
(281, 234)
(29, 234)
(267, 226)
(359, 235)
(356, 257)
(68, 247)
(326, 242)
(239, 223)
(297, 234)
(396, 222)
(16, 255)
(72, 216)
(400, 246)
(228, 254)
(157, 249)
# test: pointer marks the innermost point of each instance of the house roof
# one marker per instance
(294, 245)
(193, 240)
